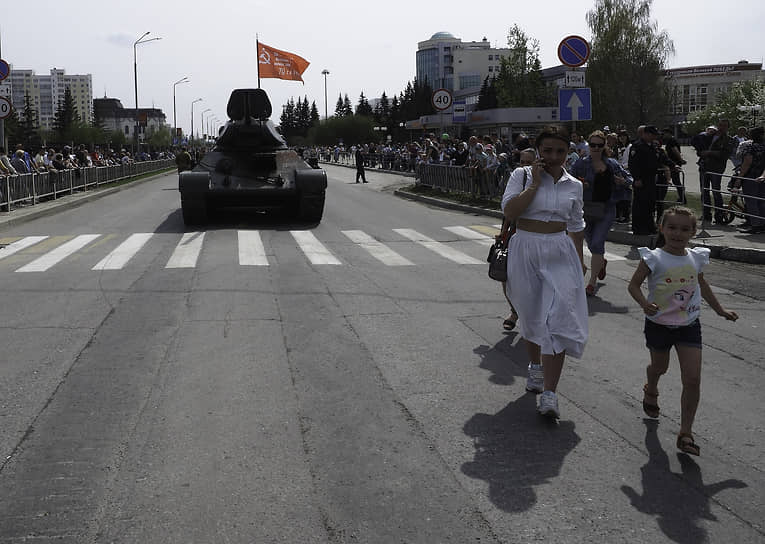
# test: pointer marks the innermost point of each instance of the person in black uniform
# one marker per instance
(643, 165)
(672, 147)
(360, 165)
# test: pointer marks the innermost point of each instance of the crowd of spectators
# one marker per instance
(491, 159)
(48, 159)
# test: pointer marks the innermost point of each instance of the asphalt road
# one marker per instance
(351, 384)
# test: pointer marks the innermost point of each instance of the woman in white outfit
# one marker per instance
(545, 268)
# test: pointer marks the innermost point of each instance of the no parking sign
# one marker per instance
(573, 51)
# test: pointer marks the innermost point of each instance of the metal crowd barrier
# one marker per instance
(460, 179)
(30, 189)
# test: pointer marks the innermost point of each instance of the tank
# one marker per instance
(251, 167)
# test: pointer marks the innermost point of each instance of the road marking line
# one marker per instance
(438, 247)
(120, 256)
(316, 252)
(487, 229)
(187, 251)
(19, 245)
(251, 250)
(377, 249)
(470, 234)
(55, 256)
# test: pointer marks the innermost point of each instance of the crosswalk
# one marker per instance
(251, 249)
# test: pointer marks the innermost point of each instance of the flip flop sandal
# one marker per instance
(650, 409)
(509, 324)
(602, 273)
(686, 444)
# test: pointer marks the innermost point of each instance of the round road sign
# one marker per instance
(441, 99)
(5, 70)
(5, 107)
(573, 51)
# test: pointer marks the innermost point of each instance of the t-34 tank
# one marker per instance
(251, 167)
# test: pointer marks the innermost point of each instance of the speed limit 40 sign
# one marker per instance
(5, 108)
(442, 99)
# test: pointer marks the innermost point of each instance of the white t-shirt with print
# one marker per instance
(673, 284)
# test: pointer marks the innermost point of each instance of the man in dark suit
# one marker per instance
(643, 165)
(360, 165)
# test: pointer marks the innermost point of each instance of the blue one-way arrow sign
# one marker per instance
(575, 104)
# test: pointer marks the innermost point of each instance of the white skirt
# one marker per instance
(546, 286)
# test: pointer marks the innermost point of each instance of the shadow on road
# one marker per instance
(242, 219)
(679, 501)
(517, 450)
(501, 359)
(510, 466)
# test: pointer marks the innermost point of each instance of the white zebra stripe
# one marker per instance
(19, 245)
(251, 250)
(187, 251)
(120, 256)
(471, 234)
(441, 249)
(58, 254)
(313, 249)
(377, 249)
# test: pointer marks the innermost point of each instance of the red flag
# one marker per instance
(280, 64)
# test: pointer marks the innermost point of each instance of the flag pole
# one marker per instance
(257, 58)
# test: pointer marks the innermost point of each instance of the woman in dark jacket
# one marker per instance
(604, 183)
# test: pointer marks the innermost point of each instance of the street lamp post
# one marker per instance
(325, 72)
(175, 126)
(192, 117)
(202, 117)
(135, 83)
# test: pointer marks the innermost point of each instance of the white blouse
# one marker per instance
(561, 201)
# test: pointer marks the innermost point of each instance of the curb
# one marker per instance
(748, 255)
(24, 215)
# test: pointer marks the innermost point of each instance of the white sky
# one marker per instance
(367, 46)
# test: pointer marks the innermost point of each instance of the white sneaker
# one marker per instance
(548, 404)
(535, 383)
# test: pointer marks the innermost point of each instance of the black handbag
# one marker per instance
(497, 257)
(497, 260)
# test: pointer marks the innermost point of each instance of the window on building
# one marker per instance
(469, 82)
(491, 57)
(491, 68)
(127, 129)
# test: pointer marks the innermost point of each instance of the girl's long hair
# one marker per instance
(674, 210)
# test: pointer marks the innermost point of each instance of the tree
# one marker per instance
(65, 118)
(738, 105)
(519, 83)
(302, 116)
(363, 107)
(487, 97)
(29, 130)
(628, 55)
(351, 129)
(339, 109)
(315, 119)
(287, 122)
(347, 108)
